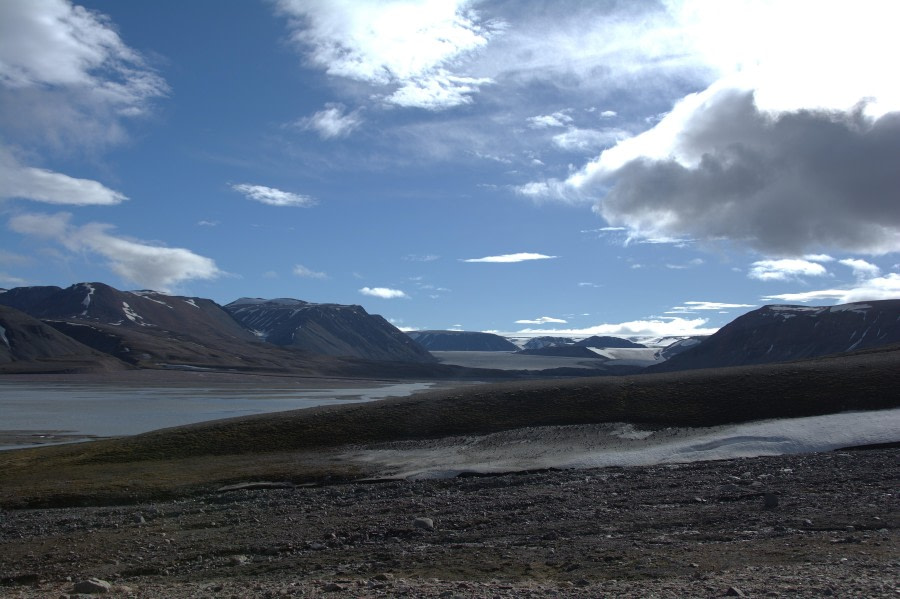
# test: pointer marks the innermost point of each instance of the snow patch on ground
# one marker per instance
(621, 444)
(3, 336)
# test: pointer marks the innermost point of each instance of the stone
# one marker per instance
(770, 501)
(424, 523)
(92, 586)
(332, 587)
(734, 592)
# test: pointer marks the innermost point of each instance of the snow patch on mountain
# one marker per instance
(3, 336)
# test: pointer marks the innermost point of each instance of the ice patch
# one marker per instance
(86, 302)
(191, 302)
(3, 337)
(859, 308)
(600, 445)
(132, 315)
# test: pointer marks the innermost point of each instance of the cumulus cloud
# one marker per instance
(861, 268)
(331, 122)
(43, 185)
(308, 273)
(755, 158)
(411, 47)
(271, 196)
(67, 76)
(876, 288)
(783, 185)
(543, 320)
(507, 258)
(383, 292)
(150, 266)
(785, 269)
(657, 327)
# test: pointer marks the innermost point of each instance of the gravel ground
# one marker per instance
(790, 526)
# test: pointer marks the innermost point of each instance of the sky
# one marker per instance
(566, 168)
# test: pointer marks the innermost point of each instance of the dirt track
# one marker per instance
(700, 529)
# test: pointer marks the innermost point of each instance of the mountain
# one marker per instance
(679, 346)
(539, 342)
(781, 333)
(27, 345)
(330, 329)
(604, 342)
(461, 341)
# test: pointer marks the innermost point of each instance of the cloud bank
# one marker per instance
(43, 185)
(149, 266)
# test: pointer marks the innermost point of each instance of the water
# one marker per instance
(40, 413)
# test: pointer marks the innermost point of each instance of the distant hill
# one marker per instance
(461, 341)
(539, 342)
(154, 330)
(607, 342)
(781, 333)
(330, 329)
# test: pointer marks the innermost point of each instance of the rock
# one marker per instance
(332, 587)
(92, 586)
(238, 560)
(424, 523)
(734, 592)
(139, 518)
(770, 501)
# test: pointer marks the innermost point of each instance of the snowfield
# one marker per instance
(600, 445)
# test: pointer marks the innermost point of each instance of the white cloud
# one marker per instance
(582, 140)
(543, 320)
(670, 326)
(507, 258)
(861, 268)
(557, 119)
(302, 271)
(410, 46)
(150, 266)
(818, 258)
(271, 196)
(608, 114)
(42, 185)
(332, 122)
(877, 288)
(66, 76)
(785, 269)
(383, 292)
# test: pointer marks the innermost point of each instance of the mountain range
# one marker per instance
(95, 327)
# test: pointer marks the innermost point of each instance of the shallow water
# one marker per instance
(41, 413)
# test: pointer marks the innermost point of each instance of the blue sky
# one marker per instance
(579, 167)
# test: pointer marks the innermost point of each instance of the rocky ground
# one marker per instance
(791, 526)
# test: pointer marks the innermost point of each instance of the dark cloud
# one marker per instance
(784, 184)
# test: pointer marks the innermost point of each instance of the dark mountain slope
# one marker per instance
(29, 345)
(329, 329)
(785, 333)
(461, 341)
